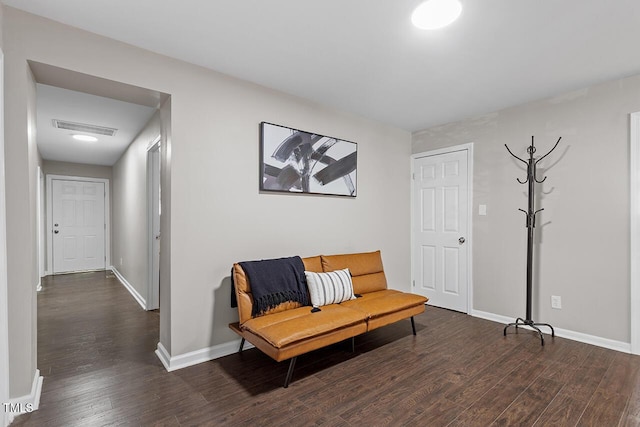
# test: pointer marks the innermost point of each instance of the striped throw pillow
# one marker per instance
(329, 288)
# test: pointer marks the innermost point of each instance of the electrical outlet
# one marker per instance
(556, 302)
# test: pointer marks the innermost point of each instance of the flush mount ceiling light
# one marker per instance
(434, 14)
(85, 138)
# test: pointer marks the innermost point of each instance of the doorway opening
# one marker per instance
(87, 180)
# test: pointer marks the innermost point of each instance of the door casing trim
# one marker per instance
(4, 300)
(634, 249)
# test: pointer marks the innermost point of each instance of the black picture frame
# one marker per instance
(296, 161)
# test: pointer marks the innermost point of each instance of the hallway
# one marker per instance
(95, 350)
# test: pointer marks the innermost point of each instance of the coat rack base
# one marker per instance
(522, 322)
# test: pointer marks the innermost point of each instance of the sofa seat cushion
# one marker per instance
(377, 294)
(291, 326)
(382, 303)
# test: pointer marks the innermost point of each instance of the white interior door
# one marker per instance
(78, 216)
(153, 189)
(440, 222)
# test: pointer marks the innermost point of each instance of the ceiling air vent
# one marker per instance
(81, 127)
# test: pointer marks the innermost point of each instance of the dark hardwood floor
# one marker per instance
(96, 352)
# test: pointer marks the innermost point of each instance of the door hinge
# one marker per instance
(414, 283)
(413, 176)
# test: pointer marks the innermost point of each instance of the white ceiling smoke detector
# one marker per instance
(434, 14)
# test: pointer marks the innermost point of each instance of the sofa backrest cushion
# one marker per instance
(331, 287)
(313, 263)
(243, 290)
(366, 269)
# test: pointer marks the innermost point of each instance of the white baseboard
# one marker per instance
(131, 289)
(164, 356)
(199, 356)
(563, 333)
(25, 404)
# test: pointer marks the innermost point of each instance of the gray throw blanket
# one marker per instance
(275, 281)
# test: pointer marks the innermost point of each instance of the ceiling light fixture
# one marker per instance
(434, 14)
(85, 138)
(83, 127)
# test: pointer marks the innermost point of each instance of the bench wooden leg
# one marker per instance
(292, 364)
(413, 325)
(241, 345)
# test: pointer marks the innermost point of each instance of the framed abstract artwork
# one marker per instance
(294, 161)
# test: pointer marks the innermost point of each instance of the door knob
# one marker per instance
(56, 231)
(461, 240)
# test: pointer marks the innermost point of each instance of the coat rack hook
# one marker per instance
(550, 151)
(523, 161)
(540, 181)
(538, 161)
(510, 152)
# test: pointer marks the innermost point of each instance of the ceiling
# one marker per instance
(363, 56)
(54, 103)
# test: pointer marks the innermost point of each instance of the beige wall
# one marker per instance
(582, 251)
(51, 167)
(216, 215)
(130, 230)
(2, 28)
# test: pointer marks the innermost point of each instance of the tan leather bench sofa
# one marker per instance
(289, 330)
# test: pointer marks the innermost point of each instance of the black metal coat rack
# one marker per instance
(531, 213)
